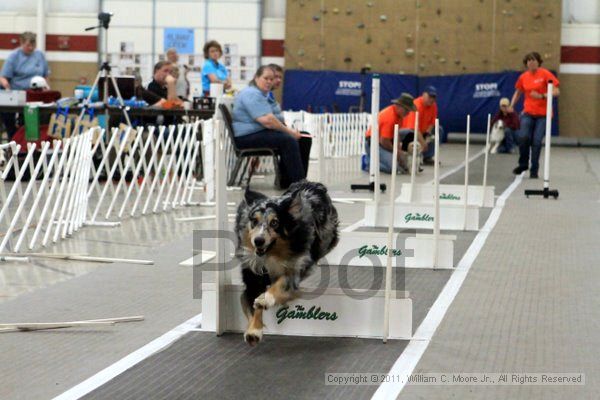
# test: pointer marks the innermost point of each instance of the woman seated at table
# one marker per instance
(258, 122)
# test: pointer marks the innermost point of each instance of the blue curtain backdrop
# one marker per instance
(458, 95)
(324, 90)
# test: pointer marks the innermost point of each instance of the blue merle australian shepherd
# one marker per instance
(279, 240)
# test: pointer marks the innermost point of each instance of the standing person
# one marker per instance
(21, 65)
(212, 70)
(183, 85)
(511, 125)
(426, 105)
(533, 83)
(388, 118)
(258, 122)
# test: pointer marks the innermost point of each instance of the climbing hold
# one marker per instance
(403, 18)
(513, 48)
(438, 12)
(459, 19)
(442, 60)
(360, 26)
(347, 60)
(436, 39)
(383, 18)
(369, 4)
(348, 11)
(368, 40)
(409, 52)
(335, 10)
(300, 52)
(316, 17)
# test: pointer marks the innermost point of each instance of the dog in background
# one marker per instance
(3, 159)
(496, 136)
(279, 241)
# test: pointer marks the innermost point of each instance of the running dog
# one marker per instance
(496, 136)
(279, 240)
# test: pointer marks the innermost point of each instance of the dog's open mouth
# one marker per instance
(263, 250)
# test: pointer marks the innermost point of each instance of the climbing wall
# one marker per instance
(424, 37)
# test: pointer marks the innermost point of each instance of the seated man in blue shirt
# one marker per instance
(22, 64)
(258, 122)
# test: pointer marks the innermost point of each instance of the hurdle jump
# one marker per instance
(420, 215)
(476, 195)
(332, 313)
(429, 250)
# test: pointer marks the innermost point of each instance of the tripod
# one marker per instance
(105, 72)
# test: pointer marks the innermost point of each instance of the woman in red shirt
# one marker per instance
(533, 83)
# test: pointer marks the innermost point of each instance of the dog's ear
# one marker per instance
(293, 204)
(251, 197)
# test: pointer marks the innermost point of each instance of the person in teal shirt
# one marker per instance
(22, 64)
(212, 70)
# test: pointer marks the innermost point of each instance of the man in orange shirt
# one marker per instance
(388, 118)
(533, 83)
(428, 112)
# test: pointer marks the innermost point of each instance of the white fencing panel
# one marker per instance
(57, 180)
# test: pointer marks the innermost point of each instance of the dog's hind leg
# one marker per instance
(494, 149)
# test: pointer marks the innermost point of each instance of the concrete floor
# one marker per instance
(527, 305)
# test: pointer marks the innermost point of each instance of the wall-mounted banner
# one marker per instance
(331, 91)
(458, 95)
(181, 39)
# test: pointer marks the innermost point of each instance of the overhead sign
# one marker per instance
(181, 39)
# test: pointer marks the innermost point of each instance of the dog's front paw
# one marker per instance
(253, 336)
(264, 301)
